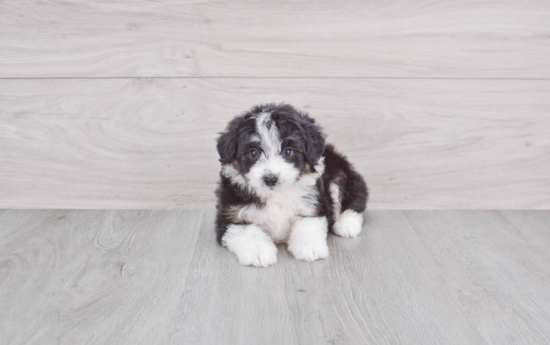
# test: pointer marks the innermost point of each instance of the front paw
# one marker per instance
(308, 239)
(309, 251)
(251, 245)
(260, 255)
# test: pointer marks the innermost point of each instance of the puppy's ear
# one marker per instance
(227, 141)
(314, 140)
(227, 146)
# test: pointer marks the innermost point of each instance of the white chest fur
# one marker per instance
(282, 209)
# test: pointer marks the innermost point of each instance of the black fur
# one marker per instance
(352, 186)
(230, 195)
(302, 134)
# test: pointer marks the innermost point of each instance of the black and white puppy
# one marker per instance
(280, 183)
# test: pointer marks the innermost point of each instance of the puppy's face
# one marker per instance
(270, 148)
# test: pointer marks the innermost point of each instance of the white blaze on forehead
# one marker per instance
(269, 134)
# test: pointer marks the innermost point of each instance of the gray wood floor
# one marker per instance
(144, 277)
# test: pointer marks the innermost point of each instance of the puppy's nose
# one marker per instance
(270, 180)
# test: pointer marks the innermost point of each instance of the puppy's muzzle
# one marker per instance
(270, 180)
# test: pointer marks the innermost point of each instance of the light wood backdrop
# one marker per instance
(117, 104)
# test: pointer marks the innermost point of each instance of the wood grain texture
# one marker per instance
(142, 277)
(499, 276)
(370, 291)
(150, 143)
(352, 38)
(133, 263)
(532, 225)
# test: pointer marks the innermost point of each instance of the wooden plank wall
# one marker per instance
(442, 105)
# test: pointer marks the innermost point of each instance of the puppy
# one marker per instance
(280, 183)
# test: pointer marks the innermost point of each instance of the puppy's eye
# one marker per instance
(254, 153)
(288, 152)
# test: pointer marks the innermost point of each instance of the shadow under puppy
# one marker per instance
(280, 183)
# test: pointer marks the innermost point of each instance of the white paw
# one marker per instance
(309, 251)
(261, 256)
(308, 239)
(349, 224)
(251, 245)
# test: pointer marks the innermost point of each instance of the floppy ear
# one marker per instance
(314, 140)
(227, 141)
(227, 146)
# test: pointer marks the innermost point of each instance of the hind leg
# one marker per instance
(348, 224)
(349, 201)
